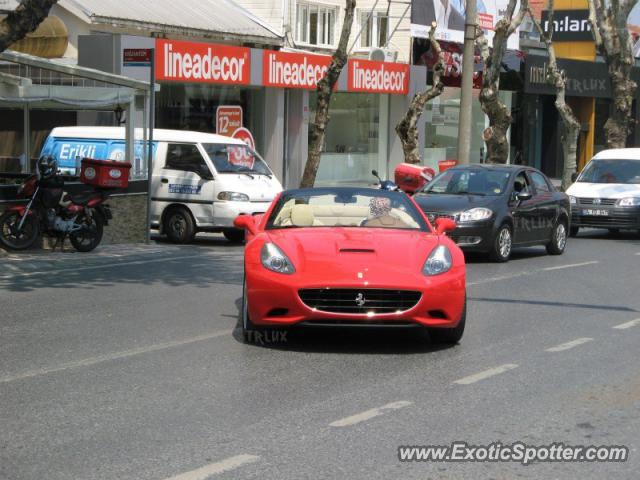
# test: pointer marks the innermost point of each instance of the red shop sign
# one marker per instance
(228, 119)
(293, 70)
(378, 77)
(202, 62)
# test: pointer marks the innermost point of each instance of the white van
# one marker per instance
(200, 183)
(606, 194)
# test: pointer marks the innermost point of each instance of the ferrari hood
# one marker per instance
(362, 253)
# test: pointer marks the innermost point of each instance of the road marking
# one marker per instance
(624, 326)
(93, 267)
(524, 274)
(486, 374)
(113, 356)
(568, 345)
(222, 466)
(369, 414)
(572, 265)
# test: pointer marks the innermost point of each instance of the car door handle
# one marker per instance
(164, 180)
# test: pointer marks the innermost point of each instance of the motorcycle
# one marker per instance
(385, 184)
(51, 211)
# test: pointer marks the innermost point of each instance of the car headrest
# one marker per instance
(302, 215)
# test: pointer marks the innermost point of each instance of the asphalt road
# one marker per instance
(128, 365)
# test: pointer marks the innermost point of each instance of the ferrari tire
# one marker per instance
(502, 244)
(249, 329)
(450, 336)
(558, 241)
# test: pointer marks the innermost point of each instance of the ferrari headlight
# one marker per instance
(573, 200)
(439, 261)
(233, 196)
(275, 260)
(628, 202)
(475, 214)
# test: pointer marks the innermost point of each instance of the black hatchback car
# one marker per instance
(498, 207)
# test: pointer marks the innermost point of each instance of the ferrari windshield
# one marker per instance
(474, 181)
(611, 171)
(345, 207)
(235, 159)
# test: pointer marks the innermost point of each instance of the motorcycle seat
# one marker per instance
(81, 198)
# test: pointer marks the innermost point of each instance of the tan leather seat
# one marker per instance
(302, 215)
(386, 221)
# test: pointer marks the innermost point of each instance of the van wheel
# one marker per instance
(234, 236)
(179, 226)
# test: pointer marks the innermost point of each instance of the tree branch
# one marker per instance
(23, 20)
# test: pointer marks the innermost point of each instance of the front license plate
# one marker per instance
(595, 212)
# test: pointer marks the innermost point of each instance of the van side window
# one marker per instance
(186, 157)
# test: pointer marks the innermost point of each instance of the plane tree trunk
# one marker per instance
(612, 38)
(407, 127)
(495, 135)
(571, 124)
(325, 90)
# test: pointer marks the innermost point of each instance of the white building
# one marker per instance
(282, 47)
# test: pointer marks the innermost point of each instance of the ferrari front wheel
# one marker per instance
(450, 336)
(249, 330)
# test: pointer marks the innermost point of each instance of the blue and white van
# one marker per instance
(200, 182)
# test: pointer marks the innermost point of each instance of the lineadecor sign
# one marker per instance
(378, 77)
(293, 70)
(202, 62)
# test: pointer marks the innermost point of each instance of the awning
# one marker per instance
(217, 19)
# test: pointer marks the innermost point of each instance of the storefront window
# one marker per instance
(441, 130)
(193, 107)
(354, 140)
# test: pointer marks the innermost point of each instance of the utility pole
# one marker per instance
(464, 125)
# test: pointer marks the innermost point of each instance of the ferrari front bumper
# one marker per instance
(274, 300)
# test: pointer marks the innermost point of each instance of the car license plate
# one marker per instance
(595, 212)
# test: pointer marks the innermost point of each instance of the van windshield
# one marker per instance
(611, 171)
(236, 159)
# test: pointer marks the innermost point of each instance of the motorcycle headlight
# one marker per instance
(573, 200)
(628, 202)
(233, 196)
(275, 260)
(475, 214)
(439, 261)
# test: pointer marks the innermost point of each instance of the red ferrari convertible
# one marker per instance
(351, 256)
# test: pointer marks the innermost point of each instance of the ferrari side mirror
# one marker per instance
(444, 225)
(246, 222)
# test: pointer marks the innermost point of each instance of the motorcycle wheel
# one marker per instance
(25, 238)
(90, 236)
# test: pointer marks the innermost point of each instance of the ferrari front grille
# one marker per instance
(363, 301)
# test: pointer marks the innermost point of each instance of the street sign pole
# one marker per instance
(152, 122)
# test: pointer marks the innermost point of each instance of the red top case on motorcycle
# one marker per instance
(105, 173)
(411, 178)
